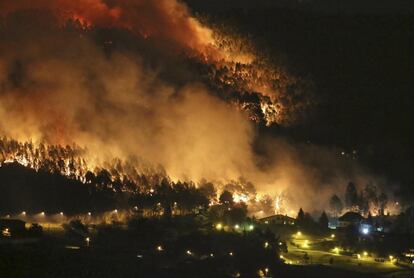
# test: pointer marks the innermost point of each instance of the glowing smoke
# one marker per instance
(169, 22)
(58, 85)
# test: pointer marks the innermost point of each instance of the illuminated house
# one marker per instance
(278, 219)
(349, 218)
(12, 227)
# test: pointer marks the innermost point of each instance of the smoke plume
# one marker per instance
(59, 84)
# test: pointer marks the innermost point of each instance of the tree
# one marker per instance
(383, 200)
(301, 217)
(266, 205)
(371, 196)
(336, 205)
(226, 198)
(351, 195)
(323, 220)
(103, 177)
(208, 190)
(363, 204)
(166, 194)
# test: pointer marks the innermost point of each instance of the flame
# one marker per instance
(240, 198)
(233, 61)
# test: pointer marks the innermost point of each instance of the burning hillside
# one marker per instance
(234, 69)
(143, 91)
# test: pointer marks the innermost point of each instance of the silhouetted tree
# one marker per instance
(323, 220)
(383, 200)
(336, 205)
(226, 198)
(208, 190)
(300, 219)
(351, 195)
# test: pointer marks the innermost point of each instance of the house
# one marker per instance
(278, 219)
(349, 218)
(12, 227)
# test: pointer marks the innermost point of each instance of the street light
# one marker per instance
(333, 236)
(159, 248)
(219, 226)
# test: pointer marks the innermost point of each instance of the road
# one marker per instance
(299, 245)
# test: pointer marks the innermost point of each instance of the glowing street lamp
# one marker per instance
(230, 253)
(88, 240)
(251, 227)
(266, 271)
(266, 244)
(159, 248)
(236, 226)
(299, 233)
(89, 213)
(333, 236)
(42, 213)
(188, 252)
(391, 258)
(365, 253)
(219, 226)
(23, 213)
(336, 250)
(61, 213)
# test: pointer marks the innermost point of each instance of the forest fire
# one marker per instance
(229, 60)
(141, 98)
(163, 138)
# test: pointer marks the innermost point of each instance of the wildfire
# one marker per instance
(231, 61)
(240, 198)
(73, 163)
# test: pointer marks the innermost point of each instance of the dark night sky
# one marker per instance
(359, 56)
